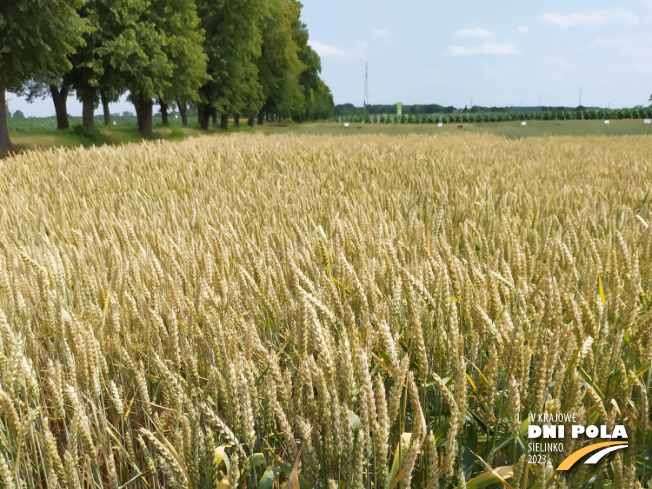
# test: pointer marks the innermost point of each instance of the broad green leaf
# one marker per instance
(643, 369)
(258, 459)
(268, 478)
(470, 445)
(287, 470)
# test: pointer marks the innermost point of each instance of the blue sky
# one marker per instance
(496, 53)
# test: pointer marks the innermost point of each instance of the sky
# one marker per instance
(472, 52)
(497, 53)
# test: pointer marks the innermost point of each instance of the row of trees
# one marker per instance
(343, 110)
(476, 117)
(378, 109)
(240, 57)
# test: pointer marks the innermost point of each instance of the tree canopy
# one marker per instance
(37, 37)
(233, 46)
(248, 57)
(279, 66)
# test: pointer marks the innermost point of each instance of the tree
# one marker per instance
(109, 92)
(279, 66)
(183, 47)
(152, 48)
(86, 65)
(319, 100)
(37, 36)
(18, 115)
(233, 46)
(59, 89)
(133, 48)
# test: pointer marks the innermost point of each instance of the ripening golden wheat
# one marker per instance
(360, 312)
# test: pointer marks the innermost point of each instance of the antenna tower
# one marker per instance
(366, 87)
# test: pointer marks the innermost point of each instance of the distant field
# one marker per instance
(511, 129)
(34, 133)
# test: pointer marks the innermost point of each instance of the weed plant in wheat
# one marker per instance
(357, 312)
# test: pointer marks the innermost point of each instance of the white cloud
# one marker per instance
(523, 29)
(592, 19)
(634, 46)
(354, 50)
(472, 33)
(385, 36)
(484, 49)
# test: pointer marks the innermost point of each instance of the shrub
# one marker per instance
(87, 133)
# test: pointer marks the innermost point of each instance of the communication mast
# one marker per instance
(366, 88)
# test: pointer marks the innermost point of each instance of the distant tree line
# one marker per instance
(247, 58)
(467, 116)
(417, 109)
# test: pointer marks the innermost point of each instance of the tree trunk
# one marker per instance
(224, 121)
(60, 99)
(183, 110)
(105, 108)
(261, 118)
(204, 111)
(214, 115)
(236, 119)
(251, 122)
(5, 143)
(144, 109)
(88, 111)
(164, 112)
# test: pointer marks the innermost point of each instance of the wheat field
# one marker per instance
(361, 312)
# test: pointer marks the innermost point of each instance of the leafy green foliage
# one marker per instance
(182, 44)
(133, 45)
(233, 46)
(37, 37)
(279, 66)
(86, 132)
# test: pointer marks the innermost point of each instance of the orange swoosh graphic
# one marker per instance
(575, 456)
